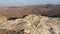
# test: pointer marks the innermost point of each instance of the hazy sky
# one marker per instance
(27, 2)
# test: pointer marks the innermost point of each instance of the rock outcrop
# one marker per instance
(32, 24)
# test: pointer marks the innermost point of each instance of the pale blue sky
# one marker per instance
(27, 2)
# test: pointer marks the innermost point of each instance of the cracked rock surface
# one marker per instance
(31, 24)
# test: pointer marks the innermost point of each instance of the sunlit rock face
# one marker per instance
(43, 24)
(33, 24)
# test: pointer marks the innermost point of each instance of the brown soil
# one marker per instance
(21, 11)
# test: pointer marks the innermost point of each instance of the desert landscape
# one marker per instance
(35, 19)
(48, 10)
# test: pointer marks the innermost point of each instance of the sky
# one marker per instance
(27, 2)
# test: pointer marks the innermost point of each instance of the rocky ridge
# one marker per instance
(32, 24)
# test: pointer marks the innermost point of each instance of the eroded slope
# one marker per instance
(32, 24)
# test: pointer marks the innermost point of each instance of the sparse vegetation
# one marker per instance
(21, 11)
(43, 20)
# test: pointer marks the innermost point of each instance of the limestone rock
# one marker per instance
(33, 24)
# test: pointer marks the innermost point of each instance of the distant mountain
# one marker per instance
(47, 10)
